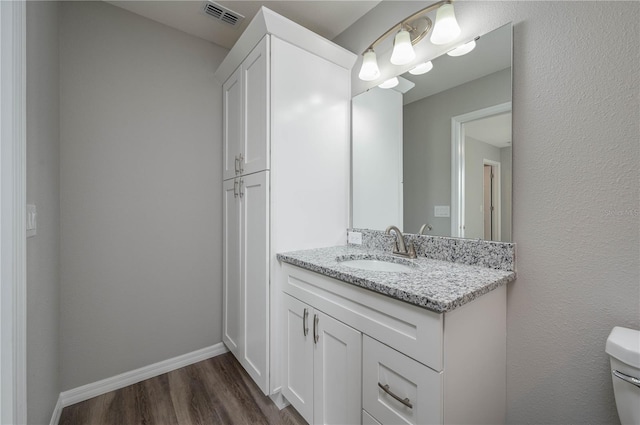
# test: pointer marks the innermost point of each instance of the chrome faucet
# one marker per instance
(425, 226)
(400, 247)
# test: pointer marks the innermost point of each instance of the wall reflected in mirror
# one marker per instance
(436, 148)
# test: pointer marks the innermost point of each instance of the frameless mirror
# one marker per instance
(435, 150)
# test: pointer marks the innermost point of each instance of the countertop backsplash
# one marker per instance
(475, 252)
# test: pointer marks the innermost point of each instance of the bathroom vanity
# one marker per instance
(423, 345)
(347, 334)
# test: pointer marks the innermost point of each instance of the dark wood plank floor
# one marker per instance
(214, 391)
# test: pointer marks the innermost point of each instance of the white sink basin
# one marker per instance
(376, 265)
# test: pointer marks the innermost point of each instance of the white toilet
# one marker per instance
(623, 348)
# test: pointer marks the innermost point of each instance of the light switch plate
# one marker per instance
(32, 223)
(354, 237)
(441, 211)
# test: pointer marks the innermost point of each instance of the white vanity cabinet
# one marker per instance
(286, 96)
(322, 378)
(418, 366)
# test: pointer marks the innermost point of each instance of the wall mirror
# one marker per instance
(435, 149)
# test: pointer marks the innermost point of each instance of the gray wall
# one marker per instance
(43, 190)
(575, 194)
(140, 192)
(427, 146)
(506, 191)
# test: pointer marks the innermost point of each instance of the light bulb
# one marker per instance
(402, 49)
(369, 70)
(390, 83)
(464, 49)
(422, 68)
(446, 28)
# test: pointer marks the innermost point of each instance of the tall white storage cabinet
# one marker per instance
(286, 135)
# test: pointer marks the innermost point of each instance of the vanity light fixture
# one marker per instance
(402, 49)
(464, 48)
(422, 68)
(410, 31)
(369, 70)
(447, 28)
(390, 83)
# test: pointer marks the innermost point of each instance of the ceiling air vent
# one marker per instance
(222, 13)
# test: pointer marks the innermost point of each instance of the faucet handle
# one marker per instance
(412, 251)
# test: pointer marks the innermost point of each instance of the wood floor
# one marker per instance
(214, 391)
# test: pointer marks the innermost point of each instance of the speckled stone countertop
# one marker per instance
(437, 285)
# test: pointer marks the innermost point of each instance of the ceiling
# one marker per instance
(495, 130)
(327, 18)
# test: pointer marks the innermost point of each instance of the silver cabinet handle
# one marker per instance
(316, 337)
(241, 162)
(404, 401)
(241, 191)
(627, 378)
(235, 188)
(305, 328)
(237, 168)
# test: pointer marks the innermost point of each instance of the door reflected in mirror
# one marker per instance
(436, 149)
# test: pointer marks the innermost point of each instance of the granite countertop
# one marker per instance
(439, 286)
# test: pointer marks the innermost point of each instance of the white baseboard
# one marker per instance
(85, 392)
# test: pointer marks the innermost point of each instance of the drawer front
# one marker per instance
(413, 330)
(412, 392)
(367, 419)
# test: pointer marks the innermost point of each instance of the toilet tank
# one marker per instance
(623, 347)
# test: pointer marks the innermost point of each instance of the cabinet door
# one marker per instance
(337, 367)
(297, 362)
(254, 195)
(255, 82)
(231, 288)
(232, 125)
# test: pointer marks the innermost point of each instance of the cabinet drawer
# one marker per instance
(413, 330)
(417, 389)
(367, 419)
